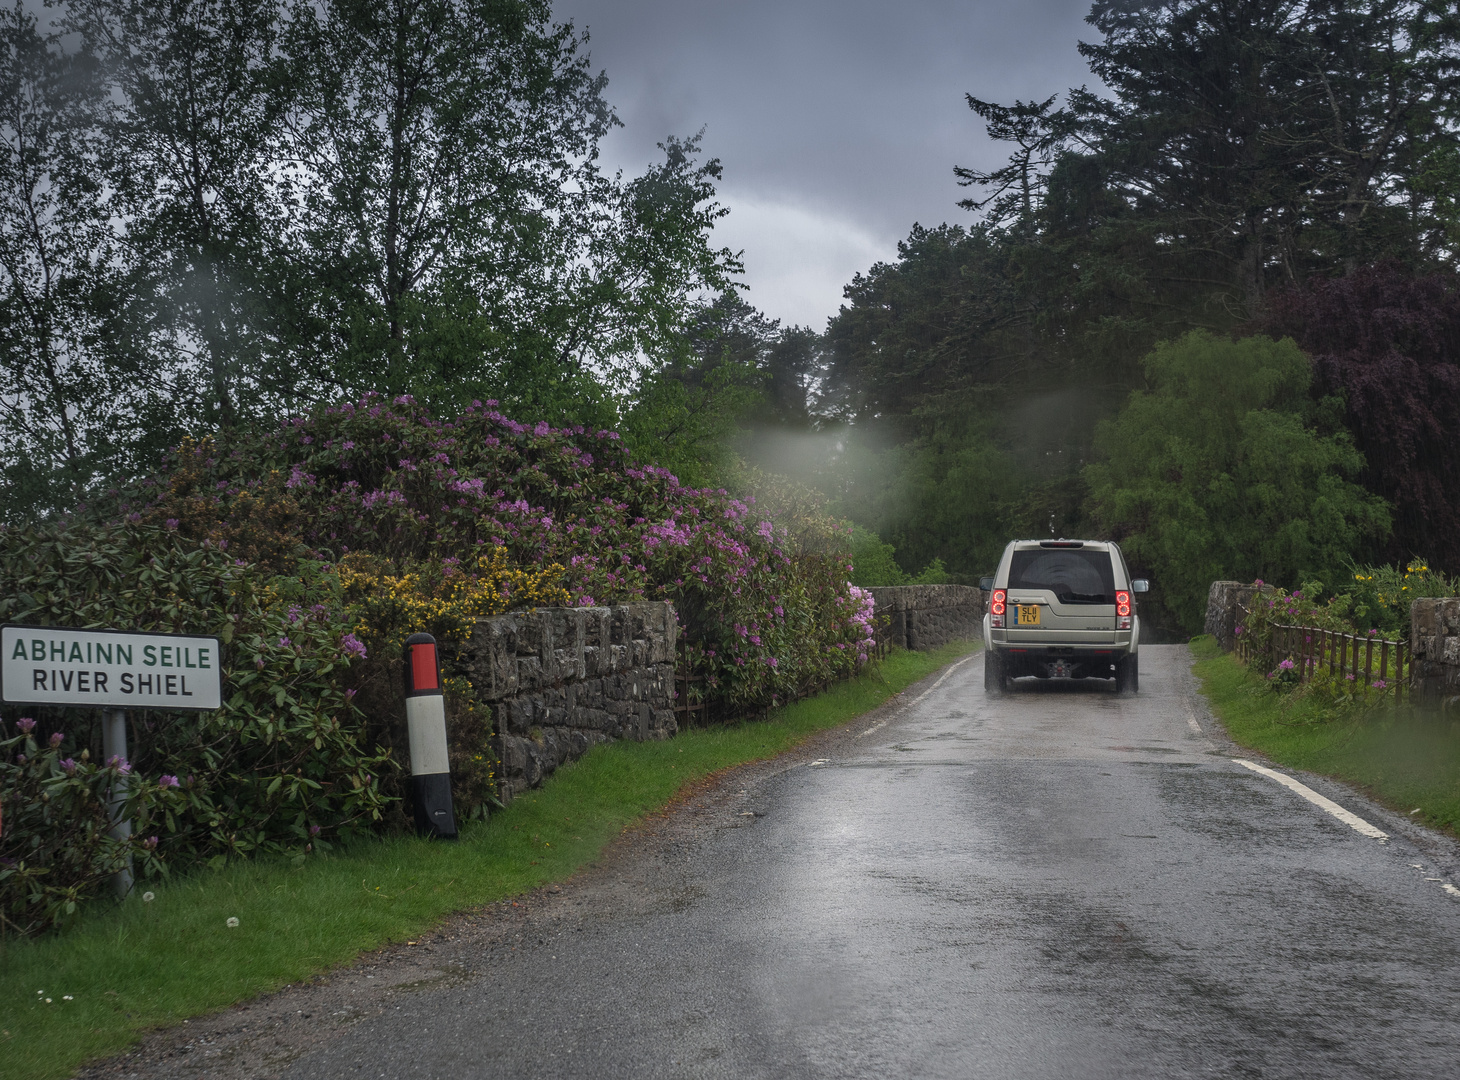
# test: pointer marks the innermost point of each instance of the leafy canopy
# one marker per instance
(1388, 343)
(1224, 469)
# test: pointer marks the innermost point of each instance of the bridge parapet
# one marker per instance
(928, 616)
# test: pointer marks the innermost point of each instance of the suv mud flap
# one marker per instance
(1128, 675)
(995, 677)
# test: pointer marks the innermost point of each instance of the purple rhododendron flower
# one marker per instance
(150, 843)
(285, 641)
(68, 766)
(58, 738)
(167, 782)
(352, 646)
(25, 724)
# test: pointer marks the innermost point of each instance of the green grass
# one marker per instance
(137, 966)
(1405, 758)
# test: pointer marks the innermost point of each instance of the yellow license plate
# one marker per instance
(1028, 614)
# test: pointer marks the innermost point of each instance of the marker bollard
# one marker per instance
(114, 745)
(426, 728)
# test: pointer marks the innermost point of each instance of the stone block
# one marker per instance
(529, 674)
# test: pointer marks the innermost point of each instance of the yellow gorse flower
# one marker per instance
(444, 600)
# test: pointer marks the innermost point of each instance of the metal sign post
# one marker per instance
(114, 746)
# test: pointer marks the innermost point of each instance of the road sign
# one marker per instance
(53, 665)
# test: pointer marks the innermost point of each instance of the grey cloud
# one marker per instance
(847, 113)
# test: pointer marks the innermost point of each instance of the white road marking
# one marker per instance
(1353, 821)
(925, 693)
(1450, 889)
(1191, 723)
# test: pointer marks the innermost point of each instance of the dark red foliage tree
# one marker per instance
(1388, 343)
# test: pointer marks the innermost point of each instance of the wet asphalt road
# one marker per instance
(1060, 883)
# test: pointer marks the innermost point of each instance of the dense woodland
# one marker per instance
(1209, 307)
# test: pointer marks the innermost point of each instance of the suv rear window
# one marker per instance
(1074, 576)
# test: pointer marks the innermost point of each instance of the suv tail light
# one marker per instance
(997, 608)
(1122, 610)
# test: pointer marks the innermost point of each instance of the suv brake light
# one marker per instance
(997, 608)
(1122, 610)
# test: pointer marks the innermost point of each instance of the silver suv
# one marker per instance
(1062, 609)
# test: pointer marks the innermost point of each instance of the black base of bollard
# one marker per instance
(431, 798)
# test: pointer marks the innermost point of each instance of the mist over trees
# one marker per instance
(219, 212)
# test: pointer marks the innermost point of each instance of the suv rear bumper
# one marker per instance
(1065, 661)
(1068, 657)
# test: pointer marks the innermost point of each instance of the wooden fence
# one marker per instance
(1369, 660)
(686, 711)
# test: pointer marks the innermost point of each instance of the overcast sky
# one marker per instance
(838, 122)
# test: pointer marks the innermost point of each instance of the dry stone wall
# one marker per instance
(1434, 635)
(927, 616)
(565, 679)
(1226, 600)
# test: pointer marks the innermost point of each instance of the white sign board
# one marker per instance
(52, 665)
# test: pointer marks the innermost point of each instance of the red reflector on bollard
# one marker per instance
(423, 667)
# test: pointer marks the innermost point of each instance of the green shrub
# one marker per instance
(1379, 597)
(874, 564)
(286, 765)
(57, 850)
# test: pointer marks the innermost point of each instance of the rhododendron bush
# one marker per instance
(313, 551)
(760, 583)
(288, 764)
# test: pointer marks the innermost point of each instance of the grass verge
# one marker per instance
(1405, 758)
(143, 965)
